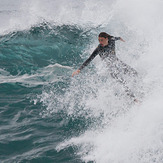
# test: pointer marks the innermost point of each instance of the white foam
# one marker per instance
(24, 14)
(136, 135)
(43, 76)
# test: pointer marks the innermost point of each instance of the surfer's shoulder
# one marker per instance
(115, 38)
(98, 47)
(112, 38)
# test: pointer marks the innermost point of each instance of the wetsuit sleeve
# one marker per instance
(115, 38)
(93, 55)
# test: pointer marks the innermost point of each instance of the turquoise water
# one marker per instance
(27, 136)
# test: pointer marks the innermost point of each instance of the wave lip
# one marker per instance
(79, 13)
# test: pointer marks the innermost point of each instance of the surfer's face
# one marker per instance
(103, 41)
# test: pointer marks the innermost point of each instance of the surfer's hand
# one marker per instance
(122, 40)
(76, 72)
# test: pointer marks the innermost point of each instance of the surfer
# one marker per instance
(106, 50)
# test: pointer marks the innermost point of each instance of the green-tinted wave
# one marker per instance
(25, 51)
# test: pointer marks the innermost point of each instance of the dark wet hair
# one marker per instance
(105, 35)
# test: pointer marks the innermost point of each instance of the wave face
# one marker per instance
(48, 116)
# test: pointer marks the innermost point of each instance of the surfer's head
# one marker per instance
(103, 38)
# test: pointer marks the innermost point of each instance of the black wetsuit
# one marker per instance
(117, 68)
(107, 51)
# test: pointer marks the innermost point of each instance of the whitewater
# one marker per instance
(46, 115)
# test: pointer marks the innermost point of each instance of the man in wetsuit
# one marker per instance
(106, 50)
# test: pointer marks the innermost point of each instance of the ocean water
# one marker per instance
(48, 116)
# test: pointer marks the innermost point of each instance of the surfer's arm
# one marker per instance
(117, 38)
(93, 55)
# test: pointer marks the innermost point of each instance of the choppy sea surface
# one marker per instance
(46, 115)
